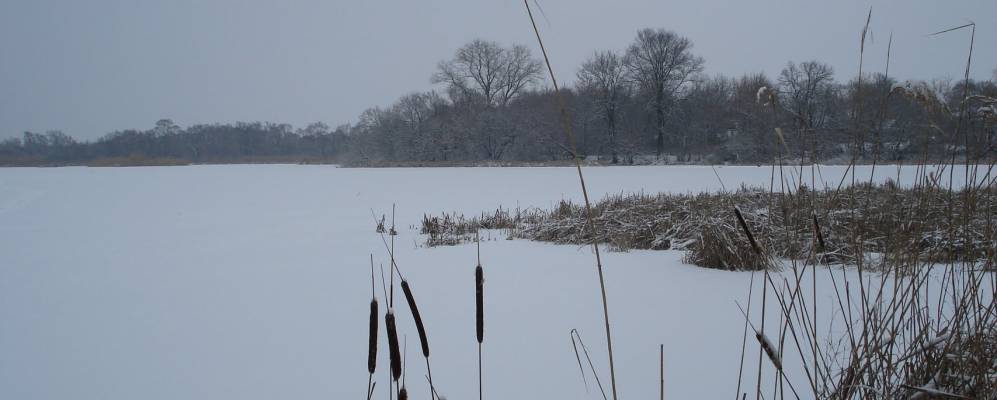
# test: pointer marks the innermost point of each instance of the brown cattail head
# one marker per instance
(770, 350)
(395, 356)
(744, 225)
(764, 342)
(372, 349)
(820, 236)
(403, 394)
(418, 318)
(479, 288)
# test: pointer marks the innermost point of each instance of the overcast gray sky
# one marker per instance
(90, 67)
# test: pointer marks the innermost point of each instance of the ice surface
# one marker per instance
(252, 282)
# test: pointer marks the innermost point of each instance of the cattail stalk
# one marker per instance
(744, 225)
(479, 297)
(820, 236)
(661, 375)
(403, 393)
(372, 342)
(412, 307)
(575, 335)
(389, 331)
(417, 317)
(479, 300)
(372, 350)
(395, 357)
(419, 326)
(770, 351)
(370, 391)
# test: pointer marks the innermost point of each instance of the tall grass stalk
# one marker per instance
(577, 338)
(566, 125)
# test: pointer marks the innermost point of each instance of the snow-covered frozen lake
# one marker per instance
(252, 282)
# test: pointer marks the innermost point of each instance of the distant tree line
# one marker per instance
(649, 102)
(167, 143)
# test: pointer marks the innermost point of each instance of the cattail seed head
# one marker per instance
(372, 348)
(744, 225)
(770, 350)
(820, 236)
(418, 318)
(403, 394)
(394, 355)
(479, 287)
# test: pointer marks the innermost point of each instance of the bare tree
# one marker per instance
(520, 69)
(485, 70)
(416, 108)
(165, 127)
(661, 63)
(473, 71)
(704, 115)
(415, 111)
(604, 76)
(807, 91)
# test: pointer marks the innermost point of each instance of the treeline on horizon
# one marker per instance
(648, 102)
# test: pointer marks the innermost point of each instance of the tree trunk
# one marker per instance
(659, 111)
(611, 124)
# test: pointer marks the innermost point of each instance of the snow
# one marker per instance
(762, 95)
(252, 282)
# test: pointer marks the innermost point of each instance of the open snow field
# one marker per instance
(252, 282)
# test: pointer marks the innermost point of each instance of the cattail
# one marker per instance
(770, 350)
(479, 287)
(372, 349)
(479, 299)
(418, 318)
(762, 95)
(479, 306)
(396, 359)
(744, 225)
(763, 341)
(402, 392)
(820, 236)
(420, 327)
(372, 341)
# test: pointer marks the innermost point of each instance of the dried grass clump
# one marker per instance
(720, 245)
(957, 365)
(453, 229)
(854, 221)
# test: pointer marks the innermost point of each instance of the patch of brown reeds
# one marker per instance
(855, 221)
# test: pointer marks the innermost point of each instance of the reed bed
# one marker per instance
(918, 321)
(856, 222)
